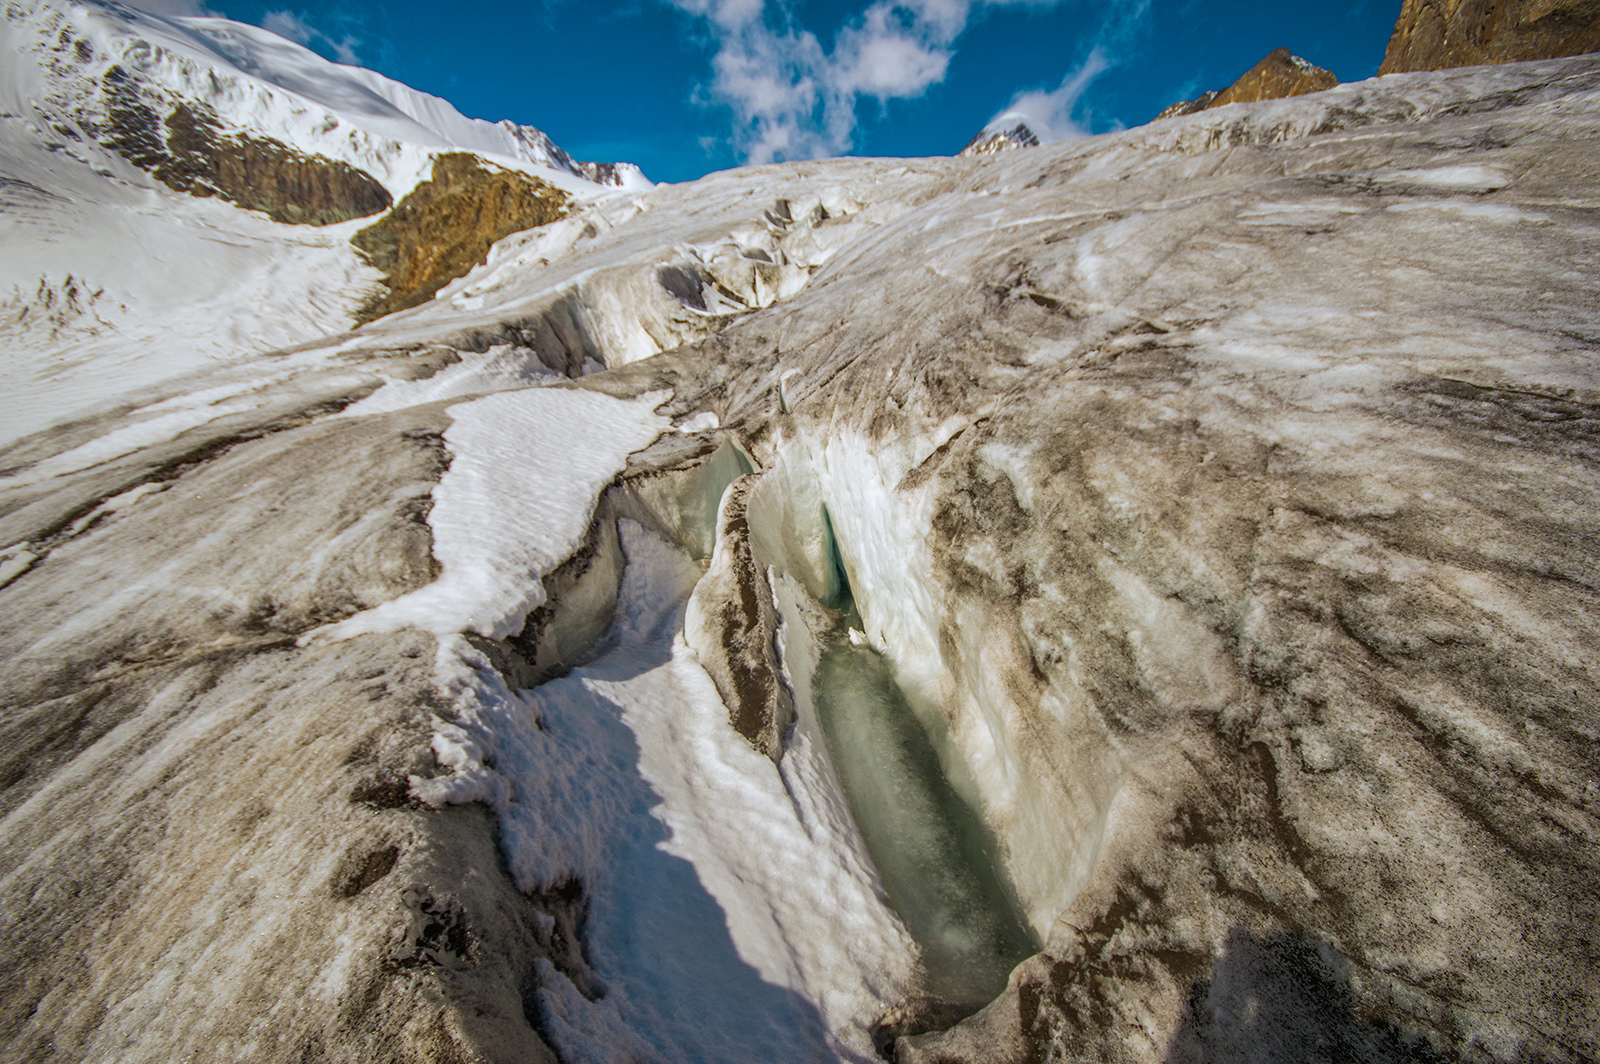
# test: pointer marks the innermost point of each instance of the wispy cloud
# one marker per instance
(295, 27)
(287, 24)
(1050, 114)
(1053, 113)
(791, 97)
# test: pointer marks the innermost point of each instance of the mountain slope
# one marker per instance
(113, 282)
(1430, 35)
(1278, 75)
(1009, 130)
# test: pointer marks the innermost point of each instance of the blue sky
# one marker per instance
(684, 87)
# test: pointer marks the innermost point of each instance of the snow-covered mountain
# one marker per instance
(1130, 599)
(252, 80)
(116, 277)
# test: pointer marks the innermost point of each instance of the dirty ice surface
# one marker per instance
(732, 914)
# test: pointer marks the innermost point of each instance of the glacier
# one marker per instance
(1200, 516)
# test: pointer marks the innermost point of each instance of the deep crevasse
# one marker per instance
(731, 914)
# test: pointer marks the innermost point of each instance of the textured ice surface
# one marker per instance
(1221, 494)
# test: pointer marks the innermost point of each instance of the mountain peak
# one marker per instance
(1004, 132)
(1281, 73)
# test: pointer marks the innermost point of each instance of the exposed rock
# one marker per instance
(604, 173)
(1437, 34)
(446, 225)
(1281, 74)
(1188, 107)
(188, 151)
(535, 145)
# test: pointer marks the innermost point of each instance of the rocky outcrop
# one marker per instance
(188, 151)
(1437, 34)
(1188, 107)
(446, 225)
(1281, 74)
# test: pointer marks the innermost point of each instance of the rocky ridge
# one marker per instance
(1005, 133)
(1438, 34)
(1281, 74)
(186, 150)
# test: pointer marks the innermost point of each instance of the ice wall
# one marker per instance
(829, 514)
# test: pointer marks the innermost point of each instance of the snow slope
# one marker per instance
(264, 84)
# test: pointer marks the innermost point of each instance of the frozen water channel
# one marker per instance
(930, 848)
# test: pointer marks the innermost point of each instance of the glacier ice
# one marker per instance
(1217, 497)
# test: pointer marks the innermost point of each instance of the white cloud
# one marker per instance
(295, 27)
(793, 98)
(344, 50)
(885, 58)
(1049, 114)
(287, 24)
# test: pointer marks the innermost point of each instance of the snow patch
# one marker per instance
(517, 501)
(1453, 178)
(503, 367)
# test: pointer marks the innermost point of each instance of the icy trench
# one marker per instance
(733, 905)
(869, 843)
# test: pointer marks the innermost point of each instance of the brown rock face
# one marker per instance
(1436, 34)
(1280, 74)
(446, 226)
(187, 151)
